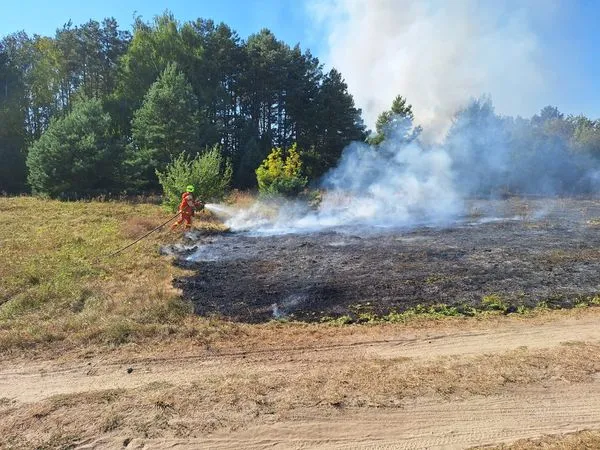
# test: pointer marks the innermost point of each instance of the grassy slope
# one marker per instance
(57, 285)
(60, 290)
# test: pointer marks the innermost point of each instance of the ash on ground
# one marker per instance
(525, 251)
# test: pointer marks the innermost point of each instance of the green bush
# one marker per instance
(209, 172)
(277, 176)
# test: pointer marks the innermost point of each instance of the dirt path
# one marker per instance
(524, 413)
(557, 401)
(34, 382)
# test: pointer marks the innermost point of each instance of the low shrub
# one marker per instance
(279, 176)
(208, 172)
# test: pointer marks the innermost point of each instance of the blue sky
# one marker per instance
(572, 48)
(570, 40)
(288, 19)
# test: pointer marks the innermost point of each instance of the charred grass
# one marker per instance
(507, 256)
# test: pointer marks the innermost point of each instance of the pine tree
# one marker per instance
(12, 127)
(76, 155)
(164, 126)
(397, 121)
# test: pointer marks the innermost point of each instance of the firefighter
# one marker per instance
(187, 208)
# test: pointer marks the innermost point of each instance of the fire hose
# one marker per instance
(144, 236)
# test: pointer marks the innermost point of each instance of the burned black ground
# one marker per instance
(524, 251)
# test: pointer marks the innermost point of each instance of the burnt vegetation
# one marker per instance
(505, 263)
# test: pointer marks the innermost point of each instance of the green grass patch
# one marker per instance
(492, 304)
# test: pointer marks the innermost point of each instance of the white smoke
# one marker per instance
(437, 53)
(397, 184)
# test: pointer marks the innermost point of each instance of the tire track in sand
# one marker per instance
(526, 412)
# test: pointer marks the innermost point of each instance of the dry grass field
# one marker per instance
(102, 352)
(59, 288)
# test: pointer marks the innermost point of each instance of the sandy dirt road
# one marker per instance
(427, 423)
(541, 388)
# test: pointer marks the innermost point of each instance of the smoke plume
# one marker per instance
(404, 182)
(397, 184)
(442, 56)
(437, 53)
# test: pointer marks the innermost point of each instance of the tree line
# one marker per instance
(548, 154)
(98, 109)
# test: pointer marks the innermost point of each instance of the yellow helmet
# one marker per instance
(190, 188)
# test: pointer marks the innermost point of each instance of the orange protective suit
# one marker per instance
(187, 207)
